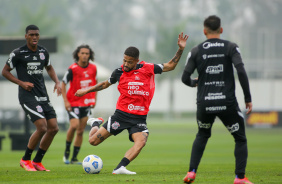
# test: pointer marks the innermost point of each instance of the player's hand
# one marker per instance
(27, 85)
(249, 107)
(68, 106)
(58, 88)
(182, 40)
(80, 92)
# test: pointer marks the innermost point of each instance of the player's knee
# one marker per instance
(54, 130)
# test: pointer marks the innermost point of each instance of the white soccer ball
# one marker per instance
(92, 164)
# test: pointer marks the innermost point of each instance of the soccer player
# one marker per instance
(82, 74)
(214, 60)
(136, 87)
(29, 61)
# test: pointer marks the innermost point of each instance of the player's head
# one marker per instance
(212, 25)
(130, 59)
(32, 36)
(83, 53)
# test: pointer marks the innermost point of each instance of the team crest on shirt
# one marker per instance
(42, 56)
(115, 125)
(39, 108)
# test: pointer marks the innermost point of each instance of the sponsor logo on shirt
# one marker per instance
(205, 56)
(214, 69)
(133, 89)
(215, 96)
(216, 108)
(208, 45)
(32, 68)
(137, 108)
(85, 83)
(215, 83)
(87, 101)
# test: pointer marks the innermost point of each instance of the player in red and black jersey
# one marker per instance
(81, 75)
(136, 87)
(30, 61)
(214, 60)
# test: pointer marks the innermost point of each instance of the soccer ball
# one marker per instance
(92, 164)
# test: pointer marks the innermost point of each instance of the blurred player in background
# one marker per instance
(29, 61)
(136, 87)
(214, 60)
(82, 74)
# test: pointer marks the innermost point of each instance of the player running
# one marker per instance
(213, 60)
(136, 87)
(82, 74)
(29, 61)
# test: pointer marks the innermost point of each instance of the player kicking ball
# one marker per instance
(136, 87)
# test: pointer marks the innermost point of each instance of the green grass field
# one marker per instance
(165, 158)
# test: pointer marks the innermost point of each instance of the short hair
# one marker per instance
(132, 52)
(31, 27)
(76, 51)
(213, 23)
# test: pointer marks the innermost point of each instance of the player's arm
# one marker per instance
(67, 77)
(242, 75)
(6, 72)
(174, 61)
(51, 72)
(189, 69)
(98, 87)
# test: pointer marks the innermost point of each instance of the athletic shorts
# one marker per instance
(35, 110)
(232, 119)
(119, 122)
(79, 112)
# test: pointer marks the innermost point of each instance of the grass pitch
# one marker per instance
(165, 158)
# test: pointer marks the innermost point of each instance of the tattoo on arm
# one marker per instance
(99, 136)
(177, 56)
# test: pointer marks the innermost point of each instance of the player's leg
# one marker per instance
(50, 132)
(74, 122)
(205, 122)
(78, 139)
(35, 113)
(234, 122)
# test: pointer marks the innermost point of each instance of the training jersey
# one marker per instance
(81, 78)
(136, 87)
(214, 60)
(29, 67)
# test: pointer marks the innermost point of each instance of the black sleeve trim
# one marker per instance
(186, 79)
(243, 79)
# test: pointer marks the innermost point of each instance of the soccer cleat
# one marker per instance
(65, 160)
(75, 161)
(38, 166)
(27, 165)
(242, 181)
(123, 170)
(190, 177)
(95, 121)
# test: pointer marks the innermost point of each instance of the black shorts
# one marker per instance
(35, 110)
(232, 119)
(79, 112)
(121, 121)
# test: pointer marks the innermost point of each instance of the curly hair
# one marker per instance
(76, 51)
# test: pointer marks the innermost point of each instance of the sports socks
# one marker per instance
(67, 150)
(39, 155)
(75, 152)
(27, 155)
(124, 162)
